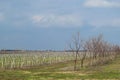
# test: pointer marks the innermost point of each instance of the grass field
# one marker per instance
(64, 71)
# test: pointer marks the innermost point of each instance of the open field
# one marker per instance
(61, 69)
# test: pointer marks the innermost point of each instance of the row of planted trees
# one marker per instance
(30, 60)
(93, 52)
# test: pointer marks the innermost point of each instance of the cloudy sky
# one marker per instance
(50, 24)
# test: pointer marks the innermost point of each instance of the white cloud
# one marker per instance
(37, 18)
(72, 20)
(57, 20)
(101, 3)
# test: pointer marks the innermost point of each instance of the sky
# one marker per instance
(50, 24)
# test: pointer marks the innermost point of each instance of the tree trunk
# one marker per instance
(75, 64)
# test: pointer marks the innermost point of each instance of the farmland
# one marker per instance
(27, 59)
(91, 59)
(59, 40)
(32, 65)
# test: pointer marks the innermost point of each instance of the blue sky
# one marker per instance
(50, 24)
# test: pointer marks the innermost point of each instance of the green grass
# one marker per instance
(64, 71)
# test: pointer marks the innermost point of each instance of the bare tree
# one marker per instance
(97, 49)
(83, 54)
(76, 46)
(116, 50)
